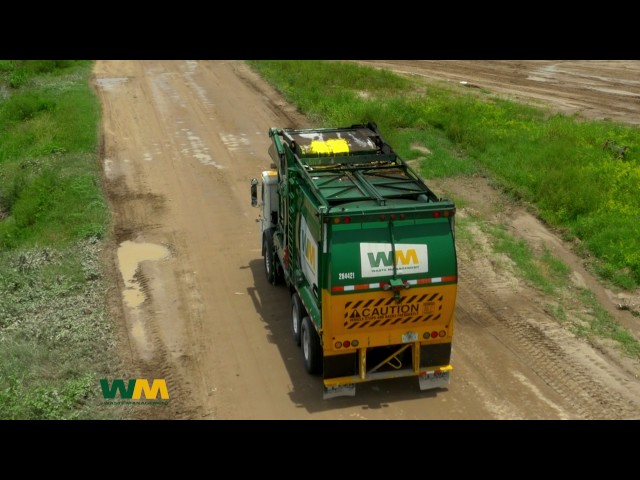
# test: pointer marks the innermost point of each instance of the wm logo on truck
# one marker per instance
(377, 259)
(309, 253)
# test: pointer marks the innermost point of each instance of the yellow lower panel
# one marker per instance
(377, 318)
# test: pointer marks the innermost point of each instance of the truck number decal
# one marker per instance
(346, 275)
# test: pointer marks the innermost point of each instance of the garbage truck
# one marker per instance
(367, 252)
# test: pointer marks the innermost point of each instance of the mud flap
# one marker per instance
(339, 391)
(434, 379)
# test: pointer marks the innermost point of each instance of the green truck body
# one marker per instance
(367, 252)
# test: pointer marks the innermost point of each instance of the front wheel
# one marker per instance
(311, 348)
(270, 267)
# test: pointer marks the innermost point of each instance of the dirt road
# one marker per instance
(181, 141)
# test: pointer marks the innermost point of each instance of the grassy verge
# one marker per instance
(555, 162)
(545, 272)
(551, 276)
(55, 338)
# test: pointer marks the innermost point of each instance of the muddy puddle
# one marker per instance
(130, 255)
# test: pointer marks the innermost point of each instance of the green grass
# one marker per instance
(600, 324)
(555, 162)
(55, 338)
(49, 190)
(543, 271)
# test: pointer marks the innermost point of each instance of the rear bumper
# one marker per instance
(431, 363)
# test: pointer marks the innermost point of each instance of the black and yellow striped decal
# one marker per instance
(380, 312)
(377, 318)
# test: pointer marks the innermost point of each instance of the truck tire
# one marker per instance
(297, 314)
(311, 348)
(270, 266)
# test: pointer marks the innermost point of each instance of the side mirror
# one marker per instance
(254, 192)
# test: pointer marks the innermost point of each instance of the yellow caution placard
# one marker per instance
(386, 310)
(421, 308)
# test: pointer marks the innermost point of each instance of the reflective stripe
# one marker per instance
(370, 286)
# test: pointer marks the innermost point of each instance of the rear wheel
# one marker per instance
(311, 349)
(297, 312)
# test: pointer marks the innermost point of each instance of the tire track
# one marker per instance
(541, 344)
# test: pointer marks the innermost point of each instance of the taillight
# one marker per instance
(434, 334)
(346, 344)
(445, 213)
